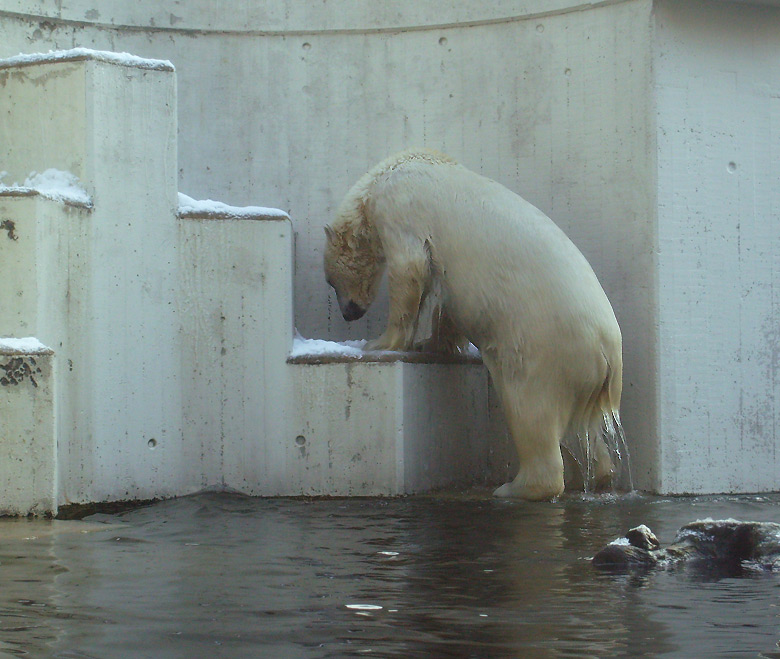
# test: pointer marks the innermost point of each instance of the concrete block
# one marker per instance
(398, 425)
(236, 316)
(28, 465)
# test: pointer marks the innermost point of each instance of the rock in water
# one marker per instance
(726, 544)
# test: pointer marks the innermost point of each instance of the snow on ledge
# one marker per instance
(320, 351)
(29, 345)
(216, 210)
(52, 184)
(78, 54)
(309, 348)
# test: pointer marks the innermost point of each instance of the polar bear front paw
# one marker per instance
(381, 343)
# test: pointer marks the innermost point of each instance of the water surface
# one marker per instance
(449, 576)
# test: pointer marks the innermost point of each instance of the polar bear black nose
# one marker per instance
(352, 311)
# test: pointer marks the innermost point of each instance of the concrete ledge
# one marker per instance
(320, 351)
(81, 54)
(27, 346)
(21, 191)
(385, 357)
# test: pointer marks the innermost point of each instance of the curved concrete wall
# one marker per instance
(291, 16)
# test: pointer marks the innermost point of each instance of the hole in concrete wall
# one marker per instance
(300, 440)
(732, 167)
(306, 46)
(152, 444)
(443, 41)
(540, 28)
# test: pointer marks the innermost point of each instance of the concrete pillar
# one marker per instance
(717, 91)
(105, 295)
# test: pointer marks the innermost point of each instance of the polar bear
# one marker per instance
(501, 275)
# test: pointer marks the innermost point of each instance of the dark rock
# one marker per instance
(728, 544)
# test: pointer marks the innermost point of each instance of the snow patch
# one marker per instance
(123, 59)
(53, 184)
(209, 208)
(58, 185)
(26, 345)
(319, 347)
(304, 348)
(621, 542)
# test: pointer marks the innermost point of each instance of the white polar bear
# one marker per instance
(504, 277)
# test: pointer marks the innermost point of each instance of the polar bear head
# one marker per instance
(354, 264)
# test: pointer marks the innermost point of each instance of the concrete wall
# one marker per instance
(717, 70)
(628, 122)
(285, 104)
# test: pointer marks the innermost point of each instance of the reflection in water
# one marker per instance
(448, 576)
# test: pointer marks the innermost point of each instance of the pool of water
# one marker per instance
(459, 575)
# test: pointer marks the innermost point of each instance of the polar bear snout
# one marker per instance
(351, 311)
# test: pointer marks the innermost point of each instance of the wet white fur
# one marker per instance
(506, 278)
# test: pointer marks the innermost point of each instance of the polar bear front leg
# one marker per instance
(408, 282)
(445, 336)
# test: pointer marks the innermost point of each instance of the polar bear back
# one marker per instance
(501, 264)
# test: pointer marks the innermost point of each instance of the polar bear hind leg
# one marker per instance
(536, 424)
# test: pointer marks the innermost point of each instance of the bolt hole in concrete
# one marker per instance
(300, 440)
(732, 167)
(460, 574)
(152, 444)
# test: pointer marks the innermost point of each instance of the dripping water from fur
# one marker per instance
(612, 434)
